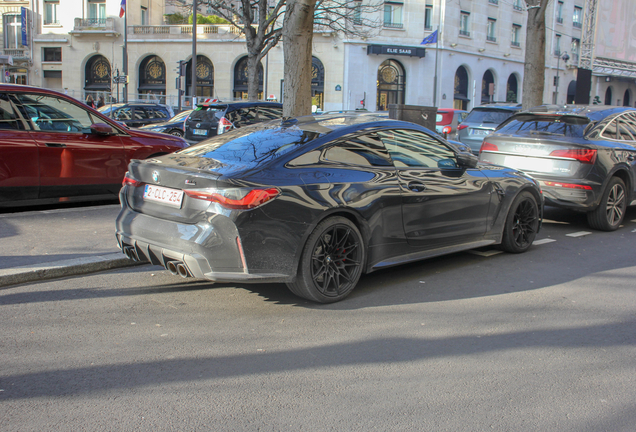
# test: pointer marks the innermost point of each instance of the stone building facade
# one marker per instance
(79, 47)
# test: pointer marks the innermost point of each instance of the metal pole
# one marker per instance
(556, 93)
(435, 78)
(125, 95)
(194, 52)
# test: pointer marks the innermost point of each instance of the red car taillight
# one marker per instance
(460, 127)
(586, 156)
(567, 185)
(236, 199)
(446, 130)
(129, 181)
(488, 147)
(224, 126)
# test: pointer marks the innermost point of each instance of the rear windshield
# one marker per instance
(250, 147)
(208, 113)
(489, 116)
(444, 118)
(543, 126)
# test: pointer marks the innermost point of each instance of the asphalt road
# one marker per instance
(543, 341)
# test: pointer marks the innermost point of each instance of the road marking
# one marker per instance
(485, 253)
(543, 241)
(579, 234)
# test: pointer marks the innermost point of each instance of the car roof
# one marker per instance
(446, 110)
(327, 123)
(219, 104)
(499, 105)
(593, 112)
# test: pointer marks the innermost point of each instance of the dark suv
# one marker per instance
(138, 113)
(211, 119)
(483, 120)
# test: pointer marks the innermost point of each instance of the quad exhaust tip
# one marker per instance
(178, 268)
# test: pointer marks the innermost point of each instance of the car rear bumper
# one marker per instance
(211, 249)
(570, 197)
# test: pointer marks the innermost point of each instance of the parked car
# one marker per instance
(315, 202)
(481, 121)
(54, 148)
(447, 120)
(215, 118)
(584, 157)
(137, 114)
(174, 126)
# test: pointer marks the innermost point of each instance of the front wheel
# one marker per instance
(522, 224)
(331, 262)
(609, 215)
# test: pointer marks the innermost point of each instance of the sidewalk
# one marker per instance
(56, 243)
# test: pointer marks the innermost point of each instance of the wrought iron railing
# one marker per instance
(464, 33)
(491, 39)
(393, 25)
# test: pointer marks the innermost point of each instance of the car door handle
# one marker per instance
(416, 186)
(55, 145)
(630, 158)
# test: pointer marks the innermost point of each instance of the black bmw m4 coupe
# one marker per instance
(315, 202)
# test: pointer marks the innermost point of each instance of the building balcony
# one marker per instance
(393, 25)
(515, 44)
(577, 25)
(17, 53)
(491, 39)
(464, 33)
(517, 7)
(182, 32)
(101, 26)
(559, 20)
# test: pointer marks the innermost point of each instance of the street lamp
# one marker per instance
(565, 58)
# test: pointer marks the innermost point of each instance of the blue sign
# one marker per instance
(25, 41)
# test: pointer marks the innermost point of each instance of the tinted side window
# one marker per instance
(140, 113)
(363, 150)
(415, 149)
(610, 131)
(628, 122)
(156, 113)
(9, 119)
(243, 116)
(267, 113)
(50, 113)
(124, 113)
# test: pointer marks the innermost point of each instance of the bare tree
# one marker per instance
(534, 69)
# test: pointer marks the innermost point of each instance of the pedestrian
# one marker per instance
(90, 102)
(100, 102)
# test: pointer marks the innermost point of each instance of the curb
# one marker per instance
(58, 269)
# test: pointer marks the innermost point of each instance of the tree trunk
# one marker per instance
(534, 69)
(298, 31)
(252, 77)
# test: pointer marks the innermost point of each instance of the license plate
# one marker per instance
(169, 197)
(200, 132)
(480, 131)
(529, 164)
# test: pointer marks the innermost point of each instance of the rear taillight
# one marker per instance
(224, 126)
(460, 127)
(586, 156)
(129, 181)
(567, 185)
(446, 130)
(236, 199)
(486, 146)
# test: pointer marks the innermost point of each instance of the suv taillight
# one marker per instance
(236, 199)
(224, 126)
(460, 127)
(586, 156)
(129, 181)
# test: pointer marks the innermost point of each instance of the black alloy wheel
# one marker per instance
(331, 263)
(609, 215)
(522, 224)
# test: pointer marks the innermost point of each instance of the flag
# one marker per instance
(432, 38)
(122, 9)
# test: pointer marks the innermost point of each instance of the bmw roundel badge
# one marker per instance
(155, 176)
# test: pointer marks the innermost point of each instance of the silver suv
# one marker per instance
(483, 120)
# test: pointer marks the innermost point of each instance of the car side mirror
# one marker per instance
(101, 129)
(467, 160)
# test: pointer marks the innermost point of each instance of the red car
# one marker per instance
(54, 148)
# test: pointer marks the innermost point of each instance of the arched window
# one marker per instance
(317, 84)
(571, 92)
(460, 98)
(152, 78)
(608, 96)
(205, 77)
(627, 99)
(97, 74)
(487, 87)
(512, 86)
(240, 80)
(391, 83)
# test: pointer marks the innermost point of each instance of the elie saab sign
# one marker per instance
(24, 22)
(393, 50)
